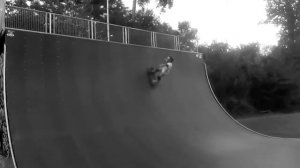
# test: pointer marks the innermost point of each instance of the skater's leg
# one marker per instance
(152, 77)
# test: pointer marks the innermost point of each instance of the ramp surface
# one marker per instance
(75, 103)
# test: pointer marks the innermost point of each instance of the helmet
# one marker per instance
(169, 59)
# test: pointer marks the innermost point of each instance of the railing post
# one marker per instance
(107, 20)
(88, 30)
(176, 38)
(90, 27)
(50, 23)
(127, 35)
(123, 34)
(54, 24)
(175, 45)
(46, 22)
(95, 30)
(178, 43)
(153, 39)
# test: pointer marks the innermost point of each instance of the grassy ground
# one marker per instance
(279, 125)
(6, 162)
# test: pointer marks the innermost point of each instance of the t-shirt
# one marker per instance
(169, 65)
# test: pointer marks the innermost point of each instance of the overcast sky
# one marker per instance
(233, 21)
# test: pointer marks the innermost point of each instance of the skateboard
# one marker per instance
(152, 77)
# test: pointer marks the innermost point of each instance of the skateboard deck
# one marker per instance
(153, 80)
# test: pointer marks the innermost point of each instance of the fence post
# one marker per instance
(123, 34)
(46, 22)
(176, 38)
(91, 29)
(175, 43)
(128, 35)
(178, 43)
(50, 23)
(107, 20)
(155, 39)
(54, 24)
(95, 30)
(151, 39)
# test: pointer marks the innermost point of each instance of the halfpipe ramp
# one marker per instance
(75, 103)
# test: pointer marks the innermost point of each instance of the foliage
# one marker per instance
(4, 145)
(162, 4)
(246, 82)
(286, 14)
(145, 19)
(188, 36)
(89, 9)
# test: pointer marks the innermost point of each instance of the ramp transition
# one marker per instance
(75, 103)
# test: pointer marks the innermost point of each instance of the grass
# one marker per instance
(278, 125)
(6, 162)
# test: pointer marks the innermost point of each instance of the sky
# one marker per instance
(233, 21)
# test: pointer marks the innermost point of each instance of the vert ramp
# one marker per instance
(75, 103)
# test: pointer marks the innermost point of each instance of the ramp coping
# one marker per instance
(183, 51)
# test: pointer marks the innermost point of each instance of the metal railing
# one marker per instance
(33, 20)
(20, 18)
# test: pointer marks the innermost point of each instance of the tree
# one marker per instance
(90, 9)
(188, 36)
(163, 4)
(145, 19)
(286, 14)
(2, 14)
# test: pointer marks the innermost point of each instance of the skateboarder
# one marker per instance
(156, 74)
